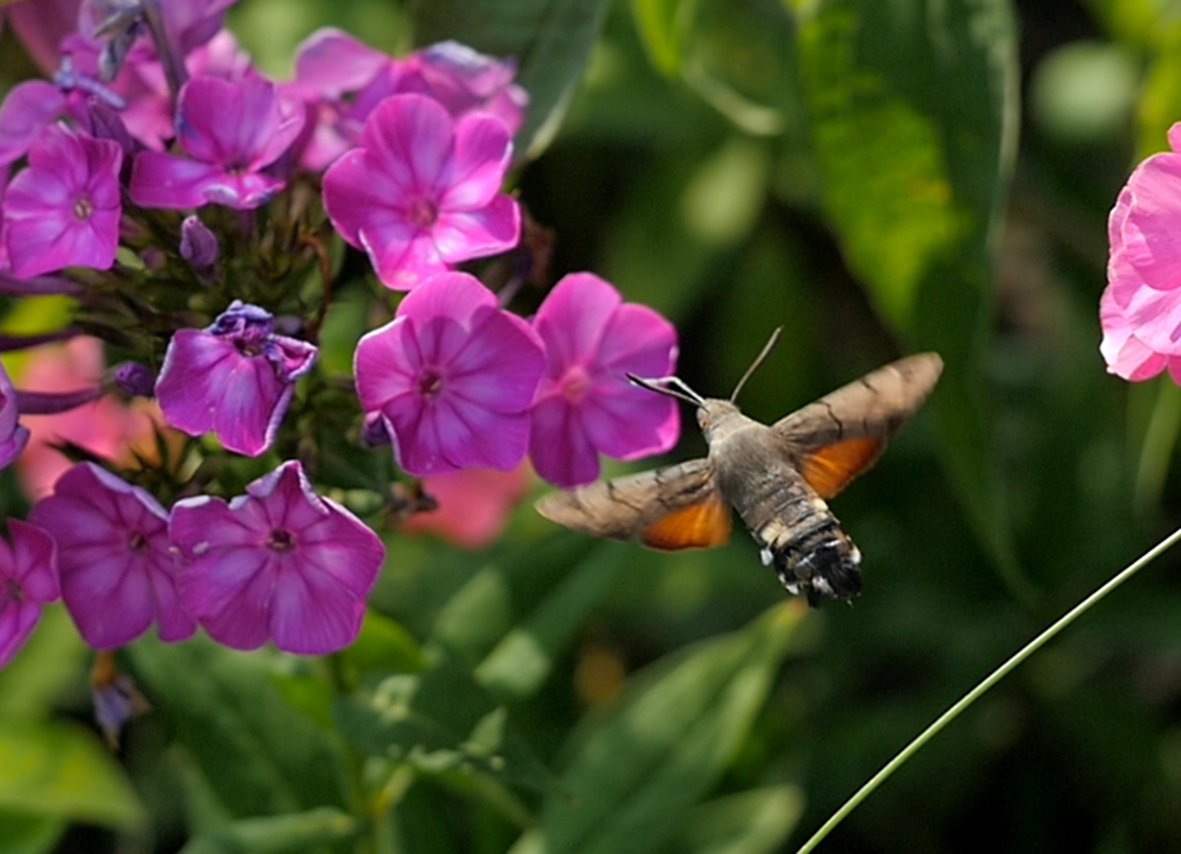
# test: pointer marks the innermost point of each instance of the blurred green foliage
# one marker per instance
(877, 177)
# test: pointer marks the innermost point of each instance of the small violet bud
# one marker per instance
(135, 379)
(198, 245)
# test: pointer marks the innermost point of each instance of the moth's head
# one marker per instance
(712, 414)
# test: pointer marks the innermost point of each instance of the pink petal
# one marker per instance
(313, 615)
(160, 180)
(626, 422)
(17, 621)
(386, 364)
(573, 318)
(411, 139)
(460, 235)
(483, 151)
(1151, 232)
(559, 447)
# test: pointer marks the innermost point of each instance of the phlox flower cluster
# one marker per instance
(189, 208)
(1140, 309)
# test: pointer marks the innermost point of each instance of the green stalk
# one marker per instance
(976, 693)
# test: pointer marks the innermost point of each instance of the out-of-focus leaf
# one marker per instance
(254, 748)
(913, 110)
(661, 25)
(550, 39)
(307, 831)
(63, 772)
(442, 722)
(522, 660)
(754, 822)
(27, 834)
(383, 645)
(639, 769)
(51, 658)
(503, 592)
(1160, 98)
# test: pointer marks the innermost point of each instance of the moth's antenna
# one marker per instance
(754, 366)
(671, 386)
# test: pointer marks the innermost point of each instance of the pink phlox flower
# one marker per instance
(465, 81)
(279, 563)
(473, 504)
(235, 377)
(232, 131)
(1140, 310)
(422, 191)
(453, 376)
(63, 209)
(28, 109)
(118, 572)
(41, 26)
(585, 405)
(107, 427)
(342, 80)
(13, 436)
(28, 581)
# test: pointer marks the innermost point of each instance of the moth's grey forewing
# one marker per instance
(874, 406)
(621, 508)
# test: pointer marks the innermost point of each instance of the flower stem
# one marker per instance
(977, 692)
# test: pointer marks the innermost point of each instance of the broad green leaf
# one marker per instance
(383, 645)
(639, 769)
(255, 749)
(913, 111)
(52, 659)
(550, 39)
(281, 834)
(521, 662)
(1160, 97)
(27, 834)
(441, 722)
(754, 822)
(61, 771)
(661, 25)
(503, 592)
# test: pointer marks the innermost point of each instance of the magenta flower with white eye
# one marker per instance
(28, 581)
(586, 405)
(452, 376)
(118, 572)
(63, 209)
(235, 377)
(422, 191)
(279, 563)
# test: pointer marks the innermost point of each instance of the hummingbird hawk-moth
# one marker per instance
(777, 477)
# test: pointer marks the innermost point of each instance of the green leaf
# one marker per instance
(550, 39)
(51, 660)
(253, 747)
(662, 26)
(61, 771)
(639, 769)
(278, 834)
(754, 822)
(521, 662)
(913, 111)
(26, 834)
(503, 592)
(442, 722)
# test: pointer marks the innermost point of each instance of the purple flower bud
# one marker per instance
(135, 379)
(235, 377)
(198, 245)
